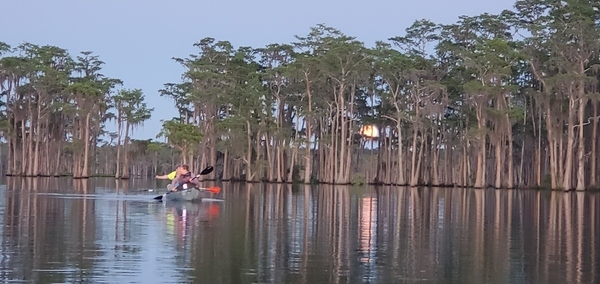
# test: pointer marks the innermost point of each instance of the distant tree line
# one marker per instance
(54, 110)
(507, 100)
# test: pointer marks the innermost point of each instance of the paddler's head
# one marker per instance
(183, 169)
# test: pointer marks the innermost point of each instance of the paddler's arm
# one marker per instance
(195, 180)
(170, 176)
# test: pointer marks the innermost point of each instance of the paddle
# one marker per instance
(214, 189)
(206, 171)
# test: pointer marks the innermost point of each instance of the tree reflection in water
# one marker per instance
(280, 233)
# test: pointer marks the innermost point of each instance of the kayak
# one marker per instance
(191, 194)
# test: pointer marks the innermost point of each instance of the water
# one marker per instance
(104, 231)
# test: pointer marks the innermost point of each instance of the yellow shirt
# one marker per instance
(172, 175)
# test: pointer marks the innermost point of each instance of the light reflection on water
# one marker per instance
(61, 231)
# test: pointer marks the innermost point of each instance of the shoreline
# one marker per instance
(375, 184)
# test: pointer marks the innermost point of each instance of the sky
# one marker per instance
(137, 39)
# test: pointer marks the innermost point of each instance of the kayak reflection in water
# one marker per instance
(213, 212)
(182, 217)
(177, 223)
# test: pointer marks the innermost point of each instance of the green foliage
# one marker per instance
(180, 135)
(4, 48)
(155, 147)
(132, 106)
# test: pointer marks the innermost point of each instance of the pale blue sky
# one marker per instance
(137, 39)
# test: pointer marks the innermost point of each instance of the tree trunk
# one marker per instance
(183, 155)
(1, 164)
(308, 155)
(419, 162)
(290, 176)
(213, 147)
(248, 159)
(448, 175)
(23, 149)
(389, 167)
(30, 137)
(401, 179)
(552, 145)
(126, 156)
(568, 169)
(481, 157)
(340, 178)
(280, 161)
(561, 157)
(203, 159)
(348, 138)
(259, 171)
(86, 155)
(539, 149)
(226, 174)
(272, 165)
(581, 144)
(38, 130)
(119, 130)
(376, 177)
(594, 143)
(413, 161)
(435, 161)
(510, 179)
(333, 151)
(9, 156)
(308, 117)
(521, 180)
(499, 165)
(50, 143)
(466, 165)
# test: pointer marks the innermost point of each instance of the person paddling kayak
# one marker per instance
(182, 179)
(185, 180)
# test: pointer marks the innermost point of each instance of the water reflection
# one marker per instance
(113, 231)
(344, 235)
(92, 233)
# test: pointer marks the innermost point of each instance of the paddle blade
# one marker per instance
(206, 171)
(214, 189)
(160, 197)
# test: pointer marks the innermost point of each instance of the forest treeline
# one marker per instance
(503, 100)
(54, 110)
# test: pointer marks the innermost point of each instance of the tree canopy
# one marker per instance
(506, 100)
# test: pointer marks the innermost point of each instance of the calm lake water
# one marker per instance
(103, 231)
